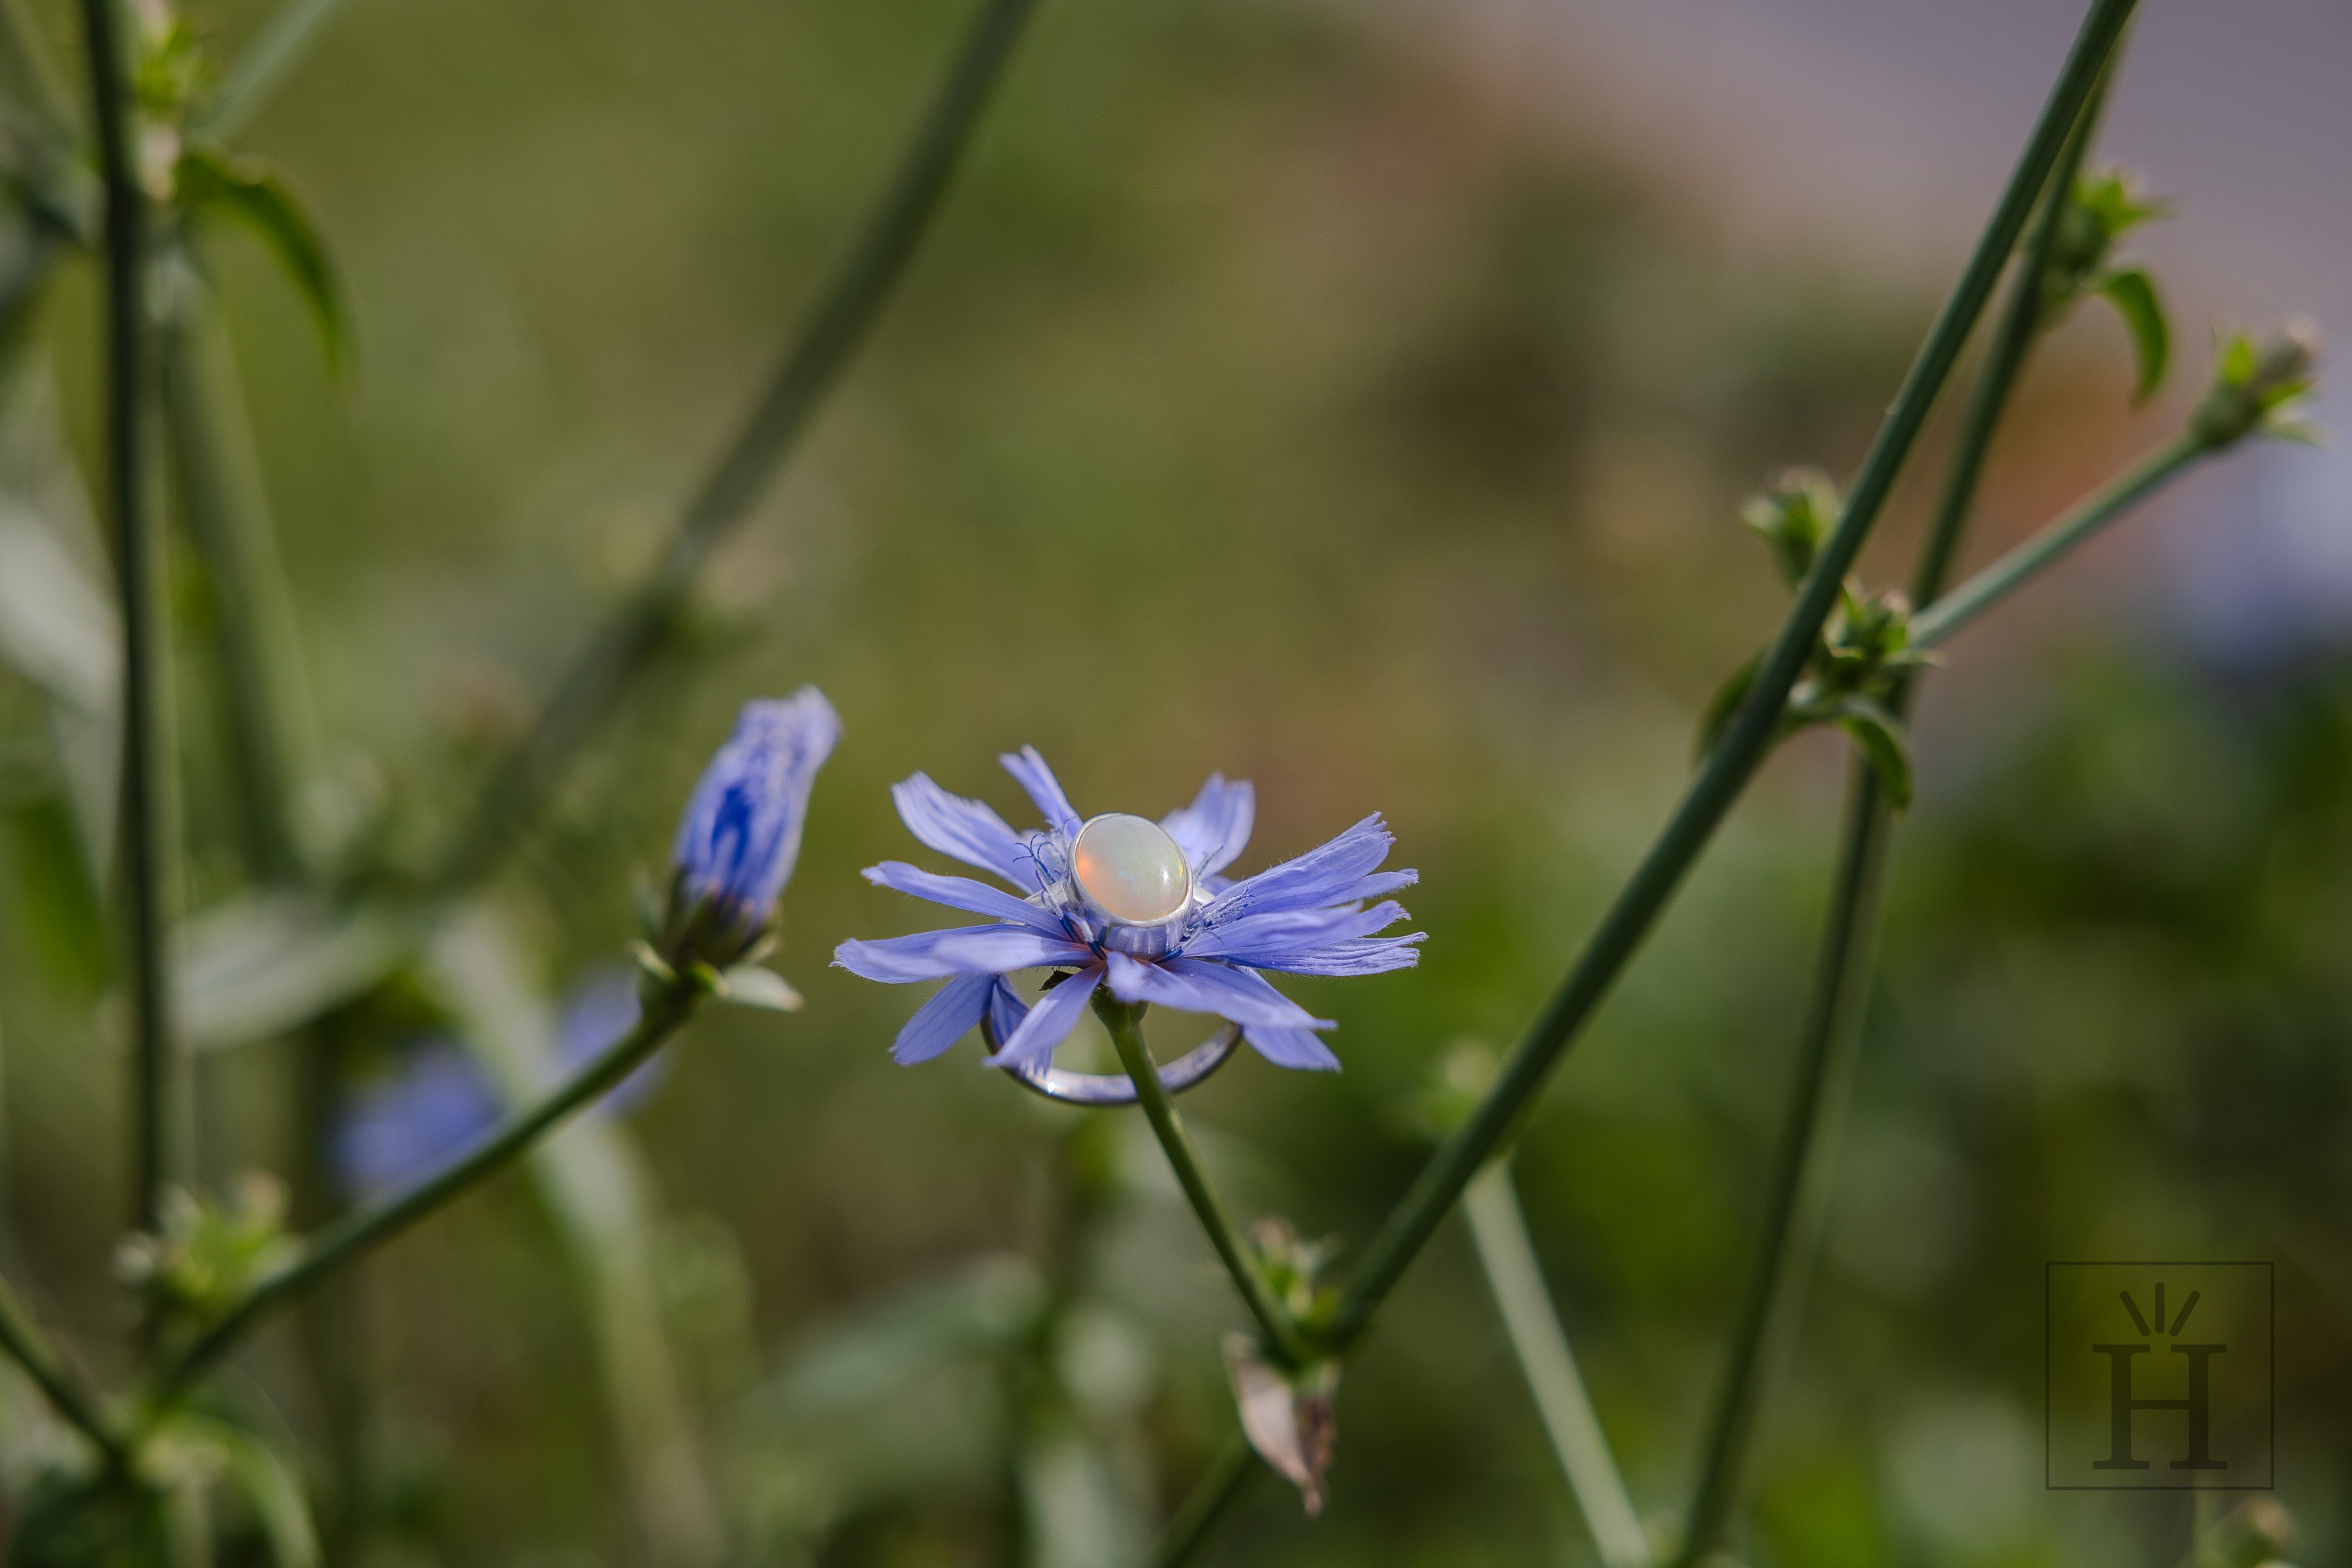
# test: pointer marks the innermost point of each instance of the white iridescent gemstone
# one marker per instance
(1129, 869)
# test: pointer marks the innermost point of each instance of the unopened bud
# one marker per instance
(1798, 512)
(2252, 381)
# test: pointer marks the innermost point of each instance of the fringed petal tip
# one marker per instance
(1037, 781)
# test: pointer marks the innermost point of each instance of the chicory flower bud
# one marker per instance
(741, 831)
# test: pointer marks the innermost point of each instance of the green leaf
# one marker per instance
(254, 196)
(258, 965)
(1792, 517)
(1725, 705)
(1882, 743)
(2133, 294)
(748, 986)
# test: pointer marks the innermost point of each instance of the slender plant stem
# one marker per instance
(290, 31)
(1499, 1230)
(1125, 1022)
(1221, 1487)
(1797, 1200)
(227, 521)
(2012, 571)
(1735, 759)
(357, 1231)
(135, 564)
(823, 348)
(1800, 1171)
(75, 1400)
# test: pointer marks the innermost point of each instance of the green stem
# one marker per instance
(357, 1231)
(1800, 1173)
(1499, 1231)
(22, 1338)
(1125, 1022)
(227, 520)
(1986, 588)
(1735, 759)
(263, 64)
(1798, 1197)
(1209, 1501)
(823, 347)
(135, 562)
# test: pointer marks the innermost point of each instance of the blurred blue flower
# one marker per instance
(396, 1129)
(598, 1013)
(1143, 908)
(742, 830)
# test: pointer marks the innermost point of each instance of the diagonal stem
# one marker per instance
(143, 761)
(823, 348)
(1125, 1022)
(1499, 1230)
(2043, 550)
(1801, 1172)
(360, 1231)
(263, 64)
(1834, 1018)
(1637, 908)
(1797, 1196)
(24, 1342)
(1227, 1477)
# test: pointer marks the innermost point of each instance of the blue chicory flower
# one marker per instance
(396, 1129)
(742, 830)
(598, 1014)
(1143, 907)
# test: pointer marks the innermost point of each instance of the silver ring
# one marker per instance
(1103, 1088)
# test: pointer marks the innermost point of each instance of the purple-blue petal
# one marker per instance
(1299, 1049)
(1195, 985)
(1337, 872)
(1255, 937)
(1049, 1023)
(1356, 956)
(1029, 770)
(742, 830)
(1215, 828)
(943, 1020)
(399, 1129)
(1006, 1009)
(960, 949)
(963, 894)
(964, 829)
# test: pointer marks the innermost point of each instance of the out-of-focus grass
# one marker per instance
(1260, 406)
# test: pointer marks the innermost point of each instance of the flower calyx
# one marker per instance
(2259, 387)
(207, 1254)
(1855, 679)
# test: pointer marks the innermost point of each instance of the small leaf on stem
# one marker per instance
(2133, 294)
(212, 181)
(1288, 1418)
(748, 986)
(1879, 735)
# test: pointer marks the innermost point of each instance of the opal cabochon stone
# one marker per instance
(1130, 869)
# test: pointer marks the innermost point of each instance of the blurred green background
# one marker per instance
(1273, 400)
